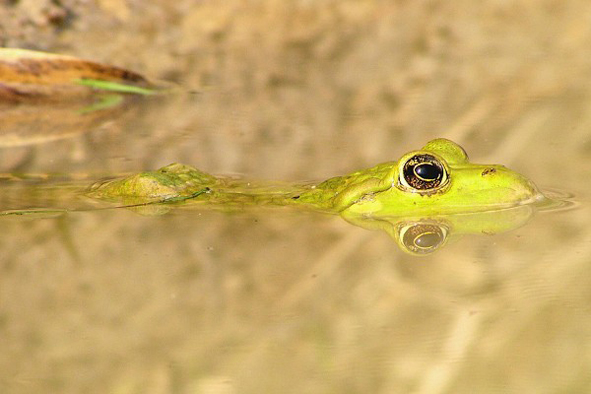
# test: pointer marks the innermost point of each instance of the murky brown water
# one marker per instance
(284, 301)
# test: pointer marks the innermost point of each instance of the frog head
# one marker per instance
(438, 178)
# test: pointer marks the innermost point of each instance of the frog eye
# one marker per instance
(423, 238)
(423, 172)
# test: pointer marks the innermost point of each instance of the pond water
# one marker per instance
(278, 300)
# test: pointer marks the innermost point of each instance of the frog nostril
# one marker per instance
(488, 171)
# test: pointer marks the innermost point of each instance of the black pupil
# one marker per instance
(428, 240)
(427, 171)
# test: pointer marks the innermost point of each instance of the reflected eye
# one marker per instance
(423, 172)
(428, 240)
(423, 238)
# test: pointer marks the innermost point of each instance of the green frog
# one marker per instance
(425, 200)
(435, 180)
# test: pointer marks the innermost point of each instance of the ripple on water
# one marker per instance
(557, 200)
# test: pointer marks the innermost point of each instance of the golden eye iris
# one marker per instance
(423, 172)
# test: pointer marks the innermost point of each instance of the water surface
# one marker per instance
(198, 301)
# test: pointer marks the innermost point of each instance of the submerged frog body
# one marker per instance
(438, 179)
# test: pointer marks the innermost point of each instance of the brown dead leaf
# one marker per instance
(29, 76)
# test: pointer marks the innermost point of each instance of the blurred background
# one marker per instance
(113, 302)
